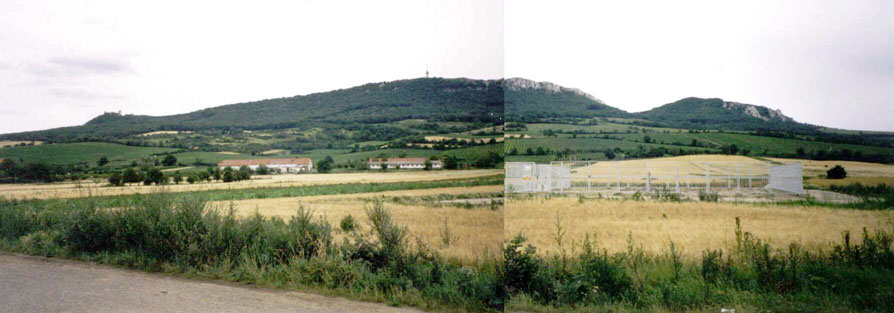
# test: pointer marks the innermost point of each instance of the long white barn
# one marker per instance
(402, 163)
(293, 165)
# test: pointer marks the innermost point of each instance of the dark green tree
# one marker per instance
(131, 176)
(244, 173)
(155, 176)
(325, 166)
(228, 175)
(451, 163)
(116, 179)
(836, 172)
(169, 160)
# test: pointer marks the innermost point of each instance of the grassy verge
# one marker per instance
(181, 235)
(849, 277)
(878, 197)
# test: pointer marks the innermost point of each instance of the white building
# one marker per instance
(277, 165)
(403, 163)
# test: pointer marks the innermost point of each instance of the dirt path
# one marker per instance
(35, 284)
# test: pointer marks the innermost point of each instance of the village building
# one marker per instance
(293, 165)
(403, 163)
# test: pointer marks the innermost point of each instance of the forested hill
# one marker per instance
(433, 99)
(528, 100)
(531, 101)
(698, 113)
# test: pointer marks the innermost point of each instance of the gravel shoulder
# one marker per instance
(36, 284)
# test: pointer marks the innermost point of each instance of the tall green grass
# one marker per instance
(752, 276)
(183, 235)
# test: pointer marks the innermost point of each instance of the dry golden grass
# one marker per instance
(177, 169)
(665, 170)
(13, 143)
(476, 231)
(164, 132)
(516, 136)
(866, 181)
(854, 169)
(693, 226)
(91, 188)
(478, 140)
(273, 151)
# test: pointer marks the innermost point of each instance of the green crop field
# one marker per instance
(536, 129)
(757, 144)
(83, 152)
(586, 144)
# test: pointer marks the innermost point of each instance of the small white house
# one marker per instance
(293, 165)
(403, 163)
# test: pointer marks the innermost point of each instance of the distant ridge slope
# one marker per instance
(714, 113)
(434, 99)
(530, 101)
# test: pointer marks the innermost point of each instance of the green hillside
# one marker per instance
(698, 113)
(431, 99)
(85, 153)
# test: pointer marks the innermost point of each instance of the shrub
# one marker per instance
(44, 243)
(708, 197)
(116, 179)
(836, 172)
(348, 224)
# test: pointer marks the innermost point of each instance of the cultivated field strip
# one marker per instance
(854, 169)
(69, 190)
(394, 193)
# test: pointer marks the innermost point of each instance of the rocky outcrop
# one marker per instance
(517, 83)
(755, 111)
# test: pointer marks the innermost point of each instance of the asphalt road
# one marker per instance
(35, 284)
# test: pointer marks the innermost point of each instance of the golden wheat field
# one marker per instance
(692, 226)
(690, 168)
(868, 181)
(854, 169)
(476, 231)
(96, 188)
(7, 143)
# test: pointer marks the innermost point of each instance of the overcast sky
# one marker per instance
(65, 62)
(821, 62)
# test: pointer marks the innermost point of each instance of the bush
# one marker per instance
(116, 180)
(708, 197)
(325, 166)
(44, 243)
(836, 172)
(348, 224)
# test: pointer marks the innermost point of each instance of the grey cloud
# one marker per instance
(91, 65)
(83, 94)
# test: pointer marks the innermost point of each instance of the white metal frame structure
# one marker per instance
(651, 175)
